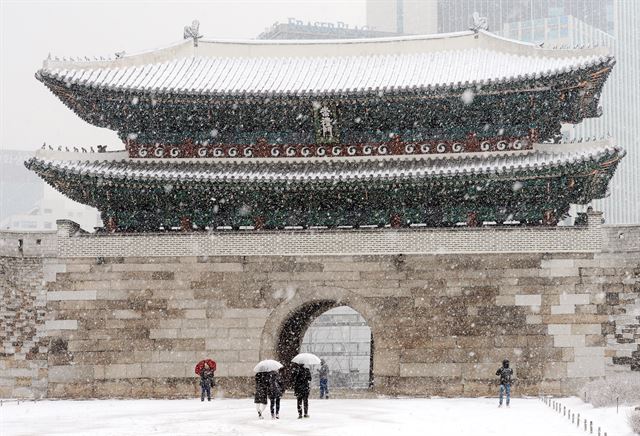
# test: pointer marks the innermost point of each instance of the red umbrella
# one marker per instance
(200, 365)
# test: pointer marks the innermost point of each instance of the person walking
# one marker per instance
(262, 388)
(506, 377)
(206, 382)
(301, 379)
(323, 373)
(276, 389)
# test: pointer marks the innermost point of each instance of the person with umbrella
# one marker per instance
(206, 369)
(301, 379)
(276, 389)
(263, 374)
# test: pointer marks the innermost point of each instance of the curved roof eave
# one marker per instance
(322, 48)
(351, 169)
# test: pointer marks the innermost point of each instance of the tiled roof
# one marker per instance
(508, 164)
(310, 68)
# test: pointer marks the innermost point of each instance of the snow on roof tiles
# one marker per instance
(327, 66)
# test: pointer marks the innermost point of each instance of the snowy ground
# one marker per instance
(441, 417)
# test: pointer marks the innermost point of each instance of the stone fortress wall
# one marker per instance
(129, 315)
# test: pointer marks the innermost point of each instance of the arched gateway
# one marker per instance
(286, 325)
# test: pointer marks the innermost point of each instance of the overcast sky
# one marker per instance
(30, 30)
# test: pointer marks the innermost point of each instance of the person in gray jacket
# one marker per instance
(323, 372)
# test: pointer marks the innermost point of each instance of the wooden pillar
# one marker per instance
(112, 224)
(258, 222)
(396, 220)
(472, 219)
(549, 218)
(185, 224)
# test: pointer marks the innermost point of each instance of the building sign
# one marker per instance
(325, 120)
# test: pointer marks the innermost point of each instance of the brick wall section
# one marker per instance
(618, 239)
(28, 244)
(332, 242)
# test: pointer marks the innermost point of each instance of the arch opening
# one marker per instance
(334, 332)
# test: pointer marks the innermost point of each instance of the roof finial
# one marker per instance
(479, 23)
(120, 54)
(193, 32)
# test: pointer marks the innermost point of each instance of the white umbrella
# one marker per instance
(306, 359)
(267, 366)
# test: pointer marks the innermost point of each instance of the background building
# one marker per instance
(298, 29)
(341, 337)
(455, 15)
(612, 23)
(403, 16)
(29, 204)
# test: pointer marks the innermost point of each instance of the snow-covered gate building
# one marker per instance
(417, 180)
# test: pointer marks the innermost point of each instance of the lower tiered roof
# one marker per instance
(513, 185)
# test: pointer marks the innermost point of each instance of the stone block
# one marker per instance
(569, 341)
(156, 370)
(586, 366)
(528, 300)
(445, 370)
(559, 329)
(71, 295)
(595, 352)
(256, 322)
(574, 299)
(195, 313)
(386, 363)
(557, 263)
(248, 356)
(126, 314)
(61, 324)
(132, 370)
(555, 370)
(586, 329)
(232, 344)
(163, 333)
(111, 294)
(479, 371)
(245, 333)
(563, 309)
(534, 319)
(241, 369)
(505, 300)
(68, 373)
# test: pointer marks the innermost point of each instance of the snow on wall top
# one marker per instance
(299, 67)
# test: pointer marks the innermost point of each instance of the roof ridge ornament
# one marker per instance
(479, 22)
(193, 32)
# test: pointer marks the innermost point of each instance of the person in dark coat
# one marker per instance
(262, 388)
(323, 374)
(206, 382)
(301, 379)
(506, 377)
(276, 389)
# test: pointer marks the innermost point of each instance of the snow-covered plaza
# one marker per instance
(441, 417)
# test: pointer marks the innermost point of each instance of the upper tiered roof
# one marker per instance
(320, 67)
